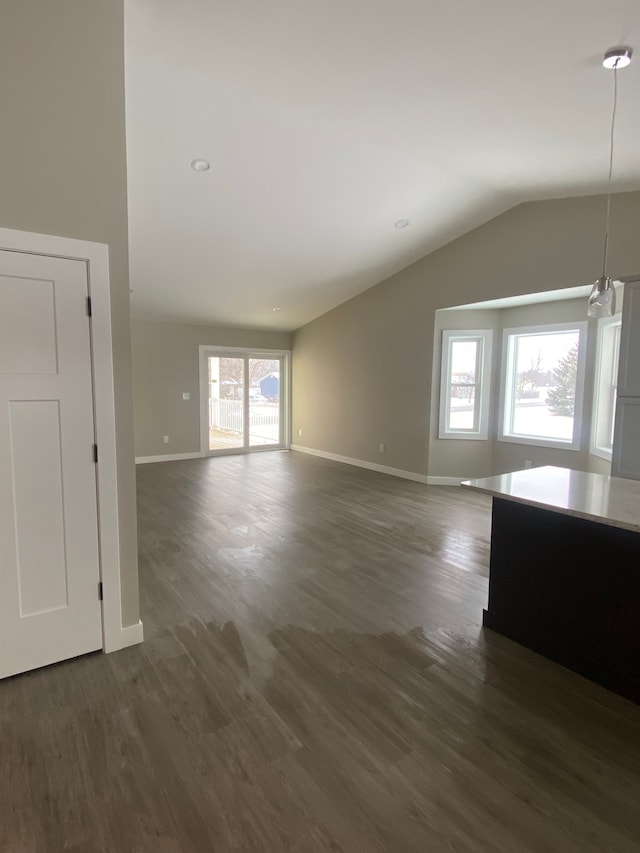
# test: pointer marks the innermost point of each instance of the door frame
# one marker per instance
(206, 350)
(96, 257)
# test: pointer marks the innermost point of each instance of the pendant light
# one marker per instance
(602, 299)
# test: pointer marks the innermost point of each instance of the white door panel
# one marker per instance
(34, 432)
(27, 326)
(49, 571)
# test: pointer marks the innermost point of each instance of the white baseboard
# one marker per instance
(129, 636)
(167, 457)
(445, 481)
(362, 463)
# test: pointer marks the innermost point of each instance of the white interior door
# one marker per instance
(49, 569)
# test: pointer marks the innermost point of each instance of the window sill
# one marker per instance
(601, 453)
(539, 442)
(466, 436)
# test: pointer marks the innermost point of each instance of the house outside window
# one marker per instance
(542, 385)
(464, 384)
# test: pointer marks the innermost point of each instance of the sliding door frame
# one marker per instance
(207, 351)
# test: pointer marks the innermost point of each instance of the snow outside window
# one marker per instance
(464, 384)
(543, 379)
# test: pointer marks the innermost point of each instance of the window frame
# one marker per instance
(247, 353)
(506, 388)
(604, 327)
(482, 384)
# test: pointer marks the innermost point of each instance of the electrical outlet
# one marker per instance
(381, 447)
(527, 463)
(300, 432)
(165, 439)
(186, 395)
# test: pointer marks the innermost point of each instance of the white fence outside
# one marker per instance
(228, 415)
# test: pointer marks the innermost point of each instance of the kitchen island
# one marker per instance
(565, 570)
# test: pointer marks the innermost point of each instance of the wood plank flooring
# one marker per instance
(314, 678)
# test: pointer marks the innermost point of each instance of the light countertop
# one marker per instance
(595, 497)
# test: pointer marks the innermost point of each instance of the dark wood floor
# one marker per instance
(314, 678)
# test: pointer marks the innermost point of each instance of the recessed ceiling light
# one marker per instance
(199, 165)
(617, 57)
(278, 308)
(401, 223)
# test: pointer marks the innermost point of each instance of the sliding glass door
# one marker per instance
(243, 400)
(264, 401)
(226, 407)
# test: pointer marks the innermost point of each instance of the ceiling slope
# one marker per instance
(326, 122)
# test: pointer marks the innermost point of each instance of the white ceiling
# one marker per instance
(327, 120)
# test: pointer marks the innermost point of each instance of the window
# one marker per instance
(464, 384)
(606, 387)
(543, 375)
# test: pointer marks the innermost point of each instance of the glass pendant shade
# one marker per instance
(602, 300)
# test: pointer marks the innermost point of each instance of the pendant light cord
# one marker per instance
(608, 217)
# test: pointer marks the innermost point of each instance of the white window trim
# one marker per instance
(601, 452)
(483, 383)
(595, 449)
(207, 350)
(549, 328)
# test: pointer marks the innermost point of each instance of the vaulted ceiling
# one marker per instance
(327, 121)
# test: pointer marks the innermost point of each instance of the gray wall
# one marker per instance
(64, 173)
(166, 363)
(362, 373)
